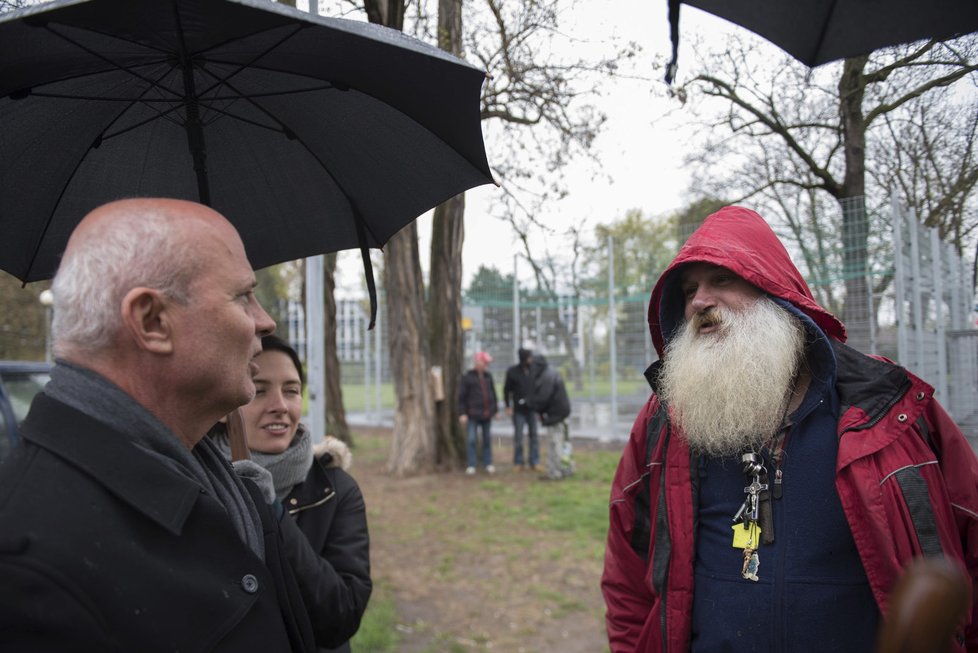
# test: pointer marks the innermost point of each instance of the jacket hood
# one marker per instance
(740, 240)
(334, 452)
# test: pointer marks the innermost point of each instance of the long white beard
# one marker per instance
(728, 390)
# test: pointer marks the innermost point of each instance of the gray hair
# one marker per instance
(140, 247)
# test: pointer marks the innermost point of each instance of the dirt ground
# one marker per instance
(525, 590)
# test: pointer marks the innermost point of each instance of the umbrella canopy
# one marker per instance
(819, 31)
(310, 134)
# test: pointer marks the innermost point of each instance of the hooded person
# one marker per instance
(550, 400)
(518, 390)
(777, 481)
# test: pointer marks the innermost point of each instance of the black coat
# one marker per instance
(329, 510)
(470, 399)
(550, 394)
(518, 389)
(105, 548)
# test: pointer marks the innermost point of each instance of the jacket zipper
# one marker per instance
(298, 509)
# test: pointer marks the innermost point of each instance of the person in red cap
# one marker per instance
(476, 408)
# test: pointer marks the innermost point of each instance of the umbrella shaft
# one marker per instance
(195, 132)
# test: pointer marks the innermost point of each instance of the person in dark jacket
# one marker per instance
(477, 405)
(122, 528)
(518, 397)
(324, 501)
(777, 482)
(551, 401)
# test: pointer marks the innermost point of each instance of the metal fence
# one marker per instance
(600, 341)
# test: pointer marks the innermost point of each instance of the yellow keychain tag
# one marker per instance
(744, 537)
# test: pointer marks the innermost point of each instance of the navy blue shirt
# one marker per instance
(812, 593)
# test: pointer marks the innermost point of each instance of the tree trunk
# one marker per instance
(852, 200)
(445, 283)
(445, 325)
(412, 447)
(335, 410)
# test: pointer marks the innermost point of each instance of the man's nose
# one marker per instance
(264, 324)
(701, 300)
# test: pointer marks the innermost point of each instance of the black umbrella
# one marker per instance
(819, 31)
(310, 134)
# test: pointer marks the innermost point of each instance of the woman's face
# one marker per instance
(272, 417)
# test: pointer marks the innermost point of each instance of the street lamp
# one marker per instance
(47, 300)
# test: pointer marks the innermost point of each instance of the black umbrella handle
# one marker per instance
(674, 35)
(368, 268)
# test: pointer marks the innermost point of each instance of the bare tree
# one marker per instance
(413, 446)
(444, 306)
(335, 409)
(782, 127)
(539, 106)
(529, 91)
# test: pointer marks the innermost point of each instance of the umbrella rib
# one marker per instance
(81, 159)
(325, 87)
(50, 218)
(250, 64)
(287, 131)
(825, 28)
(280, 130)
(114, 64)
(361, 225)
(160, 115)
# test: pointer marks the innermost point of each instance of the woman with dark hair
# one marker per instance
(318, 495)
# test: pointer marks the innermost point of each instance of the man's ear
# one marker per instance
(146, 316)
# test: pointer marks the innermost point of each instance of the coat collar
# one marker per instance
(138, 479)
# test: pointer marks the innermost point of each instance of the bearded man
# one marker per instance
(777, 481)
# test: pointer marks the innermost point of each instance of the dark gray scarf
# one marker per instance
(99, 398)
(288, 468)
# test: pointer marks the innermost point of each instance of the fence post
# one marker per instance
(899, 282)
(917, 300)
(612, 334)
(937, 265)
(378, 352)
(314, 346)
(366, 377)
(517, 340)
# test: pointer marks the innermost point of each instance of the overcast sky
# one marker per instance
(640, 148)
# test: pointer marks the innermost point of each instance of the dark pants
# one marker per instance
(484, 426)
(530, 419)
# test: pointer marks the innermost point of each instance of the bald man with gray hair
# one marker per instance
(121, 527)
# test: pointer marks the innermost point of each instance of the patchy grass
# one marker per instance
(378, 631)
(505, 562)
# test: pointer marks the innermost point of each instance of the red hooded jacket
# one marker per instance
(893, 436)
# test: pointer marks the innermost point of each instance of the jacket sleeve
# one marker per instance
(628, 597)
(507, 387)
(335, 582)
(959, 467)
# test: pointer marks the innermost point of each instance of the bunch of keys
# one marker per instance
(747, 530)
